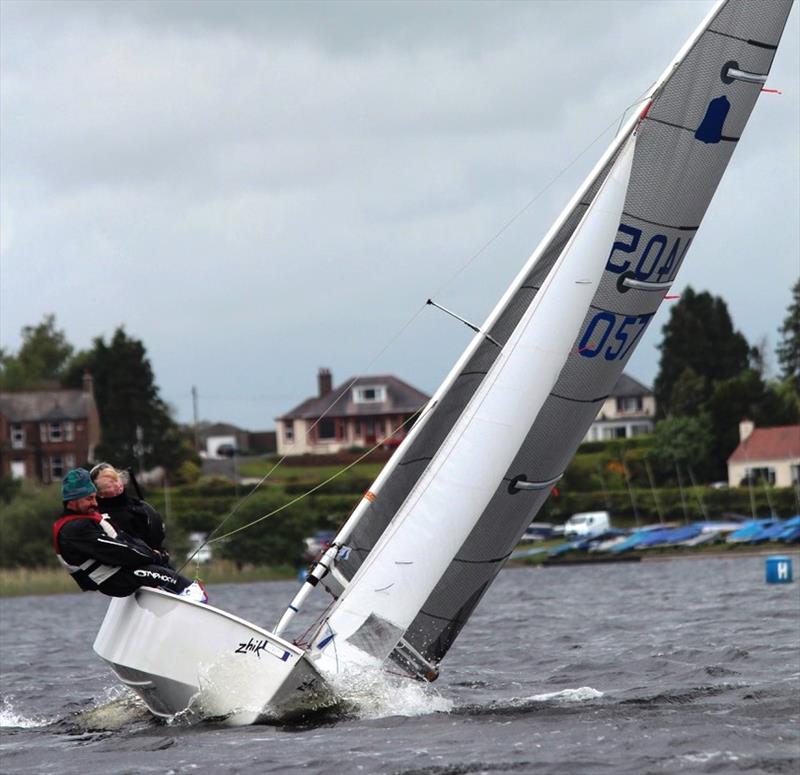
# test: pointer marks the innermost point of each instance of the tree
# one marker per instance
(699, 335)
(26, 522)
(788, 349)
(689, 393)
(135, 421)
(759, 357)
(41, 359)
(682, 440)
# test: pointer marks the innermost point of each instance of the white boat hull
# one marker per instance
(177, 654)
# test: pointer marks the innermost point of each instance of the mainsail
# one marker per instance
(430, 537)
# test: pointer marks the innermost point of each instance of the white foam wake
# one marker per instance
(10, 718)
(372, 694)
(568, 695)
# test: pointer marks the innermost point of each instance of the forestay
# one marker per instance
(413, 585)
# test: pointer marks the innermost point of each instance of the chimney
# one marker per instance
(88, 383)
(746, 427)
(324, 381)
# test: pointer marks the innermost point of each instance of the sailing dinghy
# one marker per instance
(420, 550)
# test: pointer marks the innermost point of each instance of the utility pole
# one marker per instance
(194, 407)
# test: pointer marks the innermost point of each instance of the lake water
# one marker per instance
(689, 665)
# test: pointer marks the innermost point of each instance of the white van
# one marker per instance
(587, 524)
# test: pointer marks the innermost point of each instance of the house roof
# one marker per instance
(780, 443)
(38, 405)
(400, 398)
(627, 387)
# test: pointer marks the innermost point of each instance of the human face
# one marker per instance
(109, 485)
(85, 505)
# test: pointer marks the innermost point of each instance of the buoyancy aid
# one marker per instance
(91, 573)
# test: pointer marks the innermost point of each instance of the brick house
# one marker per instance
(359, 413)
(768, 454)
(44, 433)
(628, 411)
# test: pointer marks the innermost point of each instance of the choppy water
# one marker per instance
(681, 666)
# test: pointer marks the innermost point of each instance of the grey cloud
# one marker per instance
(269, 187)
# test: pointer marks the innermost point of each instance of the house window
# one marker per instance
(17, 437)
(640, 430)
(795, 474)
(57, 469)
(761, 474)
(288, 431)
(326, 429)
(629, 404)
(69, 431)
(55, 431)
(17, 469)
(369, 394)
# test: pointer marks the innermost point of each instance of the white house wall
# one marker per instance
(782, 468)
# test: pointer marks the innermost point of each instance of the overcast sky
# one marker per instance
(259, 189)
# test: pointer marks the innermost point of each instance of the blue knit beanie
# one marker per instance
(77, 484)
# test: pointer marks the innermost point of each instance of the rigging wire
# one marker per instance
(213, 537)
(301, 640)
(523, 209)
(316, 487)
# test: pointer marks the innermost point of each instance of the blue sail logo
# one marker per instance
(710, 129)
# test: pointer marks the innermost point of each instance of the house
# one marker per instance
(361, 412)
(768, 454)
(629, 410)
(44, 433)
(213, 436)
(215, 440)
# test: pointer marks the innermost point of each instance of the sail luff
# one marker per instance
(394, 581)
(545, 243)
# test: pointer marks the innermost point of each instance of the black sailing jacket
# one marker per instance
(83, 539)
(134, 517)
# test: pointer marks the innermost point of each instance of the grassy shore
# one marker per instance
(15, 582)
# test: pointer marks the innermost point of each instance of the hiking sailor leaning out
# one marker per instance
(100, 557)
(132, 515)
